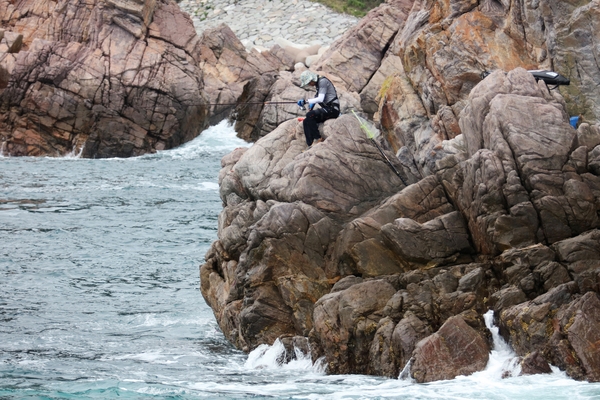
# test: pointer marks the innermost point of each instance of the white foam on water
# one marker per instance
(156, 391)
(503, 361)
(151, 320)
(74, 153)
(207, 186)
(404, 375)
(217, 138)
(500, 379)
(200, 187)
(270, 357)
(152, 357)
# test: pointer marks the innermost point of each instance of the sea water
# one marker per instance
(100, 296)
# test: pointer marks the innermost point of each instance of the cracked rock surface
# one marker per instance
(501, 209)
(114, 78)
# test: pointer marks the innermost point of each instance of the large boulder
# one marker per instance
(455, 349)
(361, 248)
(371, 36)
(562, 327)
(516, 186)
(499, 208)
(347, 322)
(121, 79)
(118, 80)
(283, 210)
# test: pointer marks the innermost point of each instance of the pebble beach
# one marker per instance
(263, 23)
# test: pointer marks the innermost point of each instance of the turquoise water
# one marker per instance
(99, 297)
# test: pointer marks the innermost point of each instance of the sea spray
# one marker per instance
(503, 361)
(75, 153)
(217, 139)
(274, 356)
(405, 373)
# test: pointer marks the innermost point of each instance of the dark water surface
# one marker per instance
(100, 291)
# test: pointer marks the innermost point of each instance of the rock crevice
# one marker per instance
(501, 210)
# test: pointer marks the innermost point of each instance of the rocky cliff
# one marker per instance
(500, 209)
(114, 78)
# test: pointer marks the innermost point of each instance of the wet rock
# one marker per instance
(534, 364)
(407, 334)
(295, 347)
(382, 358)
(346, 322)
(260, 321)
(455, 349)
(584, 337)
(393, 344)
(548, 325)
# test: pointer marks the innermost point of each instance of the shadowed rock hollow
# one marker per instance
(501, 210)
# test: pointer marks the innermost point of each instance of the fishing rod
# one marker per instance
(370, 135)
(248, 102)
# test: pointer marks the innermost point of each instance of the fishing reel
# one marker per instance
(302, 104)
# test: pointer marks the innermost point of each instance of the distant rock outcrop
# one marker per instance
(114, 78)
(501, 210)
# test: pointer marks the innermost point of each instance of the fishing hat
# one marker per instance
(306, 77)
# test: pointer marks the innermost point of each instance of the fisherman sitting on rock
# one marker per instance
(326, 98)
